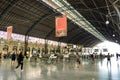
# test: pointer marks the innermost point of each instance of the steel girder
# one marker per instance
(84, 39)
(36, 22)
(68, 31)
(49, 33)
(8, 8)
(93, 43)
(87, 42)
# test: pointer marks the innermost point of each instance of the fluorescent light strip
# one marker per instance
(73, 14)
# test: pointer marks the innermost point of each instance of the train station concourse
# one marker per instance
(59, 39)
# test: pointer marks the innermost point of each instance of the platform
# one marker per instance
(87, 70)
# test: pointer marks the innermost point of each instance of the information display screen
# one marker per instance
(96, 50)
(105, 50)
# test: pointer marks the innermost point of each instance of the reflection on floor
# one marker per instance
(87, 70)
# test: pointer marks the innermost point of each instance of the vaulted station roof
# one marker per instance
(37, 18)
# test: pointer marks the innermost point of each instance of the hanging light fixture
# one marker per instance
(108, 13)
(113, 35)
(107, 21)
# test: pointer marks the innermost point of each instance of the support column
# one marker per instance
(26, 44)
(46, 46)
(59, 47)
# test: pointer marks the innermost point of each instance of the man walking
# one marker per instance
(20, 61)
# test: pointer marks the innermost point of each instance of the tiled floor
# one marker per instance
(87, 70)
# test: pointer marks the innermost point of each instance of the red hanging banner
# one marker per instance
(61, 26)
(9, 32)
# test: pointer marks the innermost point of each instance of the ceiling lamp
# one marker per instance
(107, 22)
(113, 35)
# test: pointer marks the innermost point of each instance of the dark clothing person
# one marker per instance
(117, 56)
(20, 60)
(77, 58)
(0, 56)
(101, 56)
(108, 59)
(92, 57)
(13, 57)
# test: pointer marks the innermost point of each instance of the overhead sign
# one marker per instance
(9, 32)
(61, 26)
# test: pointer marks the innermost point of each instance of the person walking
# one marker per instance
(0, 56)
(13, 57)
(78, 59)
(117, 55)
(20, 61)
(108, 59)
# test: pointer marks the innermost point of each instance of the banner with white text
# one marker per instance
(61, 26)
(9, 32)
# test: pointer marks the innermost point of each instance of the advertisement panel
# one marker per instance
(61, 26)
(9, 32)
